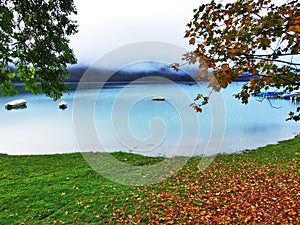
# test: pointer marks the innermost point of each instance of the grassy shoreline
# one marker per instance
(250, 187)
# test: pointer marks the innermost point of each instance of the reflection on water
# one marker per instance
(147, 127)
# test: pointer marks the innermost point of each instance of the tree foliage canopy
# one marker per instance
(253, 36)
(34, 38)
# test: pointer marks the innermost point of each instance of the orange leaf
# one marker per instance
(192, 41)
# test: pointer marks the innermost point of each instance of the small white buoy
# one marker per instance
(63, 105)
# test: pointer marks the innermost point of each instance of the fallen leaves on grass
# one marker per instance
(249, 194)
(255, 187)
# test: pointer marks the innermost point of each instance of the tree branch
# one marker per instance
(262, 55)
(277, 60)
(263, 98)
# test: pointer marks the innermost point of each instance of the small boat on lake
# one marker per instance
(286, 95)
(268, 94)
(295, 95)
(158, 99)
(19, 103)
(295, 92)
(271, 94)
(62, 105)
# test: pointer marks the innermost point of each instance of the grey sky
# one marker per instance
(108, 24)
(105, 25)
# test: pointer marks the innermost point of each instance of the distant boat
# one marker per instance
(62, 105)
(295, 92)
(158, 99)
(296, 95)
(271, 94)
(268, 94)
(190, 84)
(19, 103)
(286, 95)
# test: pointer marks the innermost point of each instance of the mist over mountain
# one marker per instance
(148, 69)
(129, 73)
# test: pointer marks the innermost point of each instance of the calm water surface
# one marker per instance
(124, 118)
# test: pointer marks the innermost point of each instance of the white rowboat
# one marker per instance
(19, 103)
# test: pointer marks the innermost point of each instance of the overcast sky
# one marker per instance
(105, 25)
(108, 24)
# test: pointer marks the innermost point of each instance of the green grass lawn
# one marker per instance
(253, 187)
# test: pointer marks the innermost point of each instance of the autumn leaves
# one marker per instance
(247, 36)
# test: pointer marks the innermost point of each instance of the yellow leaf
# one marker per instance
(247, 219)
(248, 8)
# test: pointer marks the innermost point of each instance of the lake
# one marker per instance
(121, 117)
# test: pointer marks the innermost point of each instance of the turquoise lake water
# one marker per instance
(124, 118)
